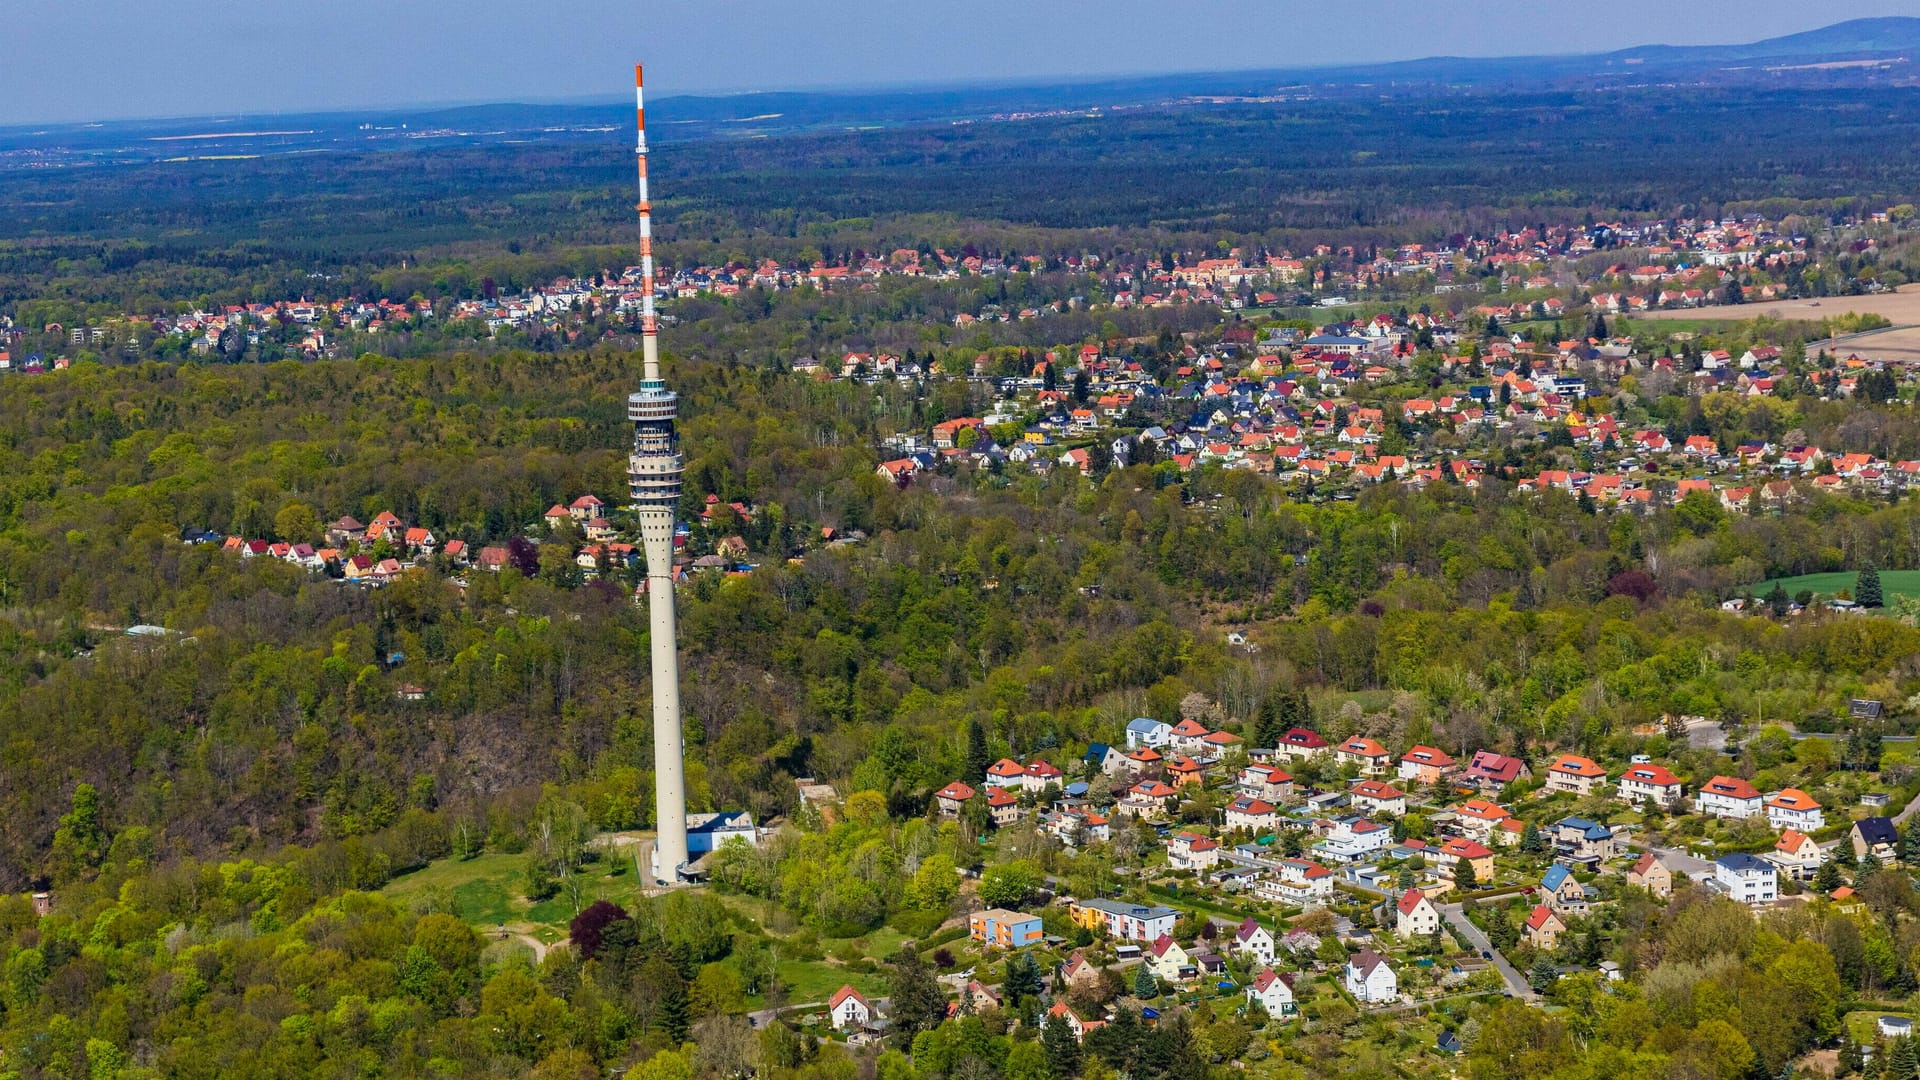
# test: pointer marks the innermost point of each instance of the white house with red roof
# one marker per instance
(1062, 1013)
(1143, 761)
(1353, 839)
(1007, 773)
(1267, 782)
(1079, 824)
(1729, 797)
(1571, 772)
(1791, 808)
(1217, 743)
(850, 1010)
(1256, 814)
(1414, 915)
(1477, 819)
(1797, 855)
(953, 798)
(1148, 798)
(1425, 765)
(1297, 881)
(586, 508)
(1299, 744)
(1189, 736)
(1369, 756)
(1040, 775)
(1168, 961)
(1641, 785)
(1378, 797)
(1273, 992)
(1191, 851)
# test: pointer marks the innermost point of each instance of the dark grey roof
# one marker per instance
(1877, 830)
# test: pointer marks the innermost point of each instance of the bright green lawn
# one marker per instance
(808, 981)
(491, 889)
(1862, 1024)
(1893, 583)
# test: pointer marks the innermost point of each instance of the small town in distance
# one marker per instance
(1386, 569)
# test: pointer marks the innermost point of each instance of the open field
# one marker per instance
(816, 980)
(1893, 583)
(489, 891)
(1897, 343)
(1901, 307)
(1862, 1024)
(1671, 322)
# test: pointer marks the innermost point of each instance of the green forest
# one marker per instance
(212, 807)
(258, 819)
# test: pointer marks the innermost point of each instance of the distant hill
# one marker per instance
(1880, 52)
(1894, 40)
(1892, 34)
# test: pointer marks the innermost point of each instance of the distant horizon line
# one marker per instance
(824, 89)
(856, 89)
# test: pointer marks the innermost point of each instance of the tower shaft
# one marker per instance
(653, 474)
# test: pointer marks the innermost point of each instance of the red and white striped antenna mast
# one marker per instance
(653, 478)
(649, 323)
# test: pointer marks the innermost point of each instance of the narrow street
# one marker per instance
(1912, 807)
(1457, 918)
(762, 1017)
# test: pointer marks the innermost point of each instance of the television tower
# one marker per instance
(653, 473)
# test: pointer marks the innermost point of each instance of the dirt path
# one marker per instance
(521, 932)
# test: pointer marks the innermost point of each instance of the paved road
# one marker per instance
(1911, 808)
(1456, 917)
(763, 1017)
(1841, 736)
(1834, 344)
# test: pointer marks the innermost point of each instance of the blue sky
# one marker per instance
(106, 59)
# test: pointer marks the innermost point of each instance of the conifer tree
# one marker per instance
(1866, 588)
(1828, 877)
(1543, 975)
(1464, 876)
(1063, 1052)
(1903, 1060)
(1145, 987)
(977, 756)
(1530, 841)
